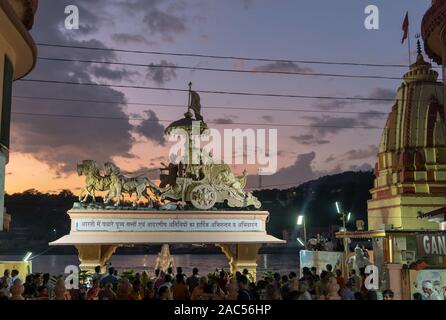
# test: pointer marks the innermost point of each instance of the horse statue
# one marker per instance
(93, 180)
(121, 184)
(114, 183)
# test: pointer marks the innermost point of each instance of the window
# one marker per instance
(6, 107)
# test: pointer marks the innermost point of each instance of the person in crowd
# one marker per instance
(223, 281)
(179, 288)
(107, 293)
(356, 280)
(180, 271)
(243, 292)
(314, 274)
(124, 289)
(170, 272)
(272, 292)
(198, 291)
(429, 293)
(111, 277)
(97, 273)
(246, 273)
(388, 294)
(47, 284)
(93, 292)
(60, 290)
(14, 275)
(417, 296)
(135, 293)
(17, 290)
(167, 282)
(29, 287)
(304, 294)
(372, 295)
(232, 289)
(193, 280)
(43, 293)
(165, 293)
(149, 292)
(276, 280)
(321, 285)
(211, 291)
(157, 274)
(115, 273)
(6, 278)
(261, 289)
(347, 291)
(340, 279)
(144, 280)
(159, 280)
(363, 278)
(5, 288)
(359, 296)
(329, 269)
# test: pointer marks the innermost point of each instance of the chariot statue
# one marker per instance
(200, 185)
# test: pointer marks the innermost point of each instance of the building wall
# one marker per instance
(17, 58)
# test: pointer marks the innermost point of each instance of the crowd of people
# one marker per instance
(170, 285)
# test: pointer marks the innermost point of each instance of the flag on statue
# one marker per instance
(405, 28)
(195, 105)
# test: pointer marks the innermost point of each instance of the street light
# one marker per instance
(337, 207)
(27, 256)
(301, 243)
(302, 221)
(349, 216)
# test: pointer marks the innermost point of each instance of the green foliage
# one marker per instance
(129, 274)
(268, 274)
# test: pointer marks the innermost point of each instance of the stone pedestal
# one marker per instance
(91, 256)
(242, 256)
(97, 233)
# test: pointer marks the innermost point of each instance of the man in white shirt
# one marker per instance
(429, 293)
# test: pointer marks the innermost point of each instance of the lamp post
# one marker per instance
(302, 221)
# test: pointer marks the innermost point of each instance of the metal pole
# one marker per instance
(305, 232)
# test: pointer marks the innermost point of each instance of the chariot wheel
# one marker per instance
(203, 196)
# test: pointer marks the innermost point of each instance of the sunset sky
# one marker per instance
(45, 148)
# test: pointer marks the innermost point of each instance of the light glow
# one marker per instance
(27, 256)
(300, 242)
(337, 207)
(300, 220)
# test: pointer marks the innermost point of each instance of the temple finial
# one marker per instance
(419, 50)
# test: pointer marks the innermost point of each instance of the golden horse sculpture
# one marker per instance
(114, 183)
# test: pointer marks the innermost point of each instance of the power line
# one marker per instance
(254, 71)
(207, 107)
(170, 121)
(194, 55)
(257, 94)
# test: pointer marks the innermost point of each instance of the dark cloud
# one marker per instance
(151, 129)
(162, 72)
(61, 142)
(127, 38)
(268, 118)
(300, 171)
(382, 93)
(330, 104)
(282, 66)
(105, 72)
(164, 23)
(359, 154)
(309, 140)
(223, 121)
(162, 17)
